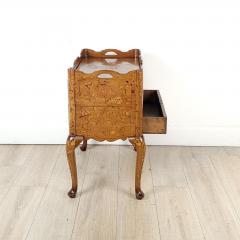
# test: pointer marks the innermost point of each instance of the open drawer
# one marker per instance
(154, 116)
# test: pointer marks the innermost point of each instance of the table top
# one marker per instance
(120, 65)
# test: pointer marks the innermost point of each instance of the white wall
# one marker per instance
(191, 52)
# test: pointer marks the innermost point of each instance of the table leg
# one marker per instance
(72, 143)
(139, 145)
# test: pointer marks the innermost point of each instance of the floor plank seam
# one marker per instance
(44, 192)
(12, 182)
(154, 193)
(193, 200)
(195, 208)
(230, 200)
(11, 186)
(80, 194)
(117, 192)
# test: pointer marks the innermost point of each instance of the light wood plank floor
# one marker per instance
(191, 193)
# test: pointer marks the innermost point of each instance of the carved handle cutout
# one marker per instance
(104, 75)
(110, 53)
(111, 60)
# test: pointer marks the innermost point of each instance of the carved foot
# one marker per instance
(83, 147)
(139, 195)
(72, 193)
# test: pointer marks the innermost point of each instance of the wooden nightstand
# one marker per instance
(107, 102)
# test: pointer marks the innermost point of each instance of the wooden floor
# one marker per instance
(191, 193)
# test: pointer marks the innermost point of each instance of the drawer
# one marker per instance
(154, 115)
(106, 123)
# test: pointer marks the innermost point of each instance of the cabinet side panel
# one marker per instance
(71, 102)
(139, 102)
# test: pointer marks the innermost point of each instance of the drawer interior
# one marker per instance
(151, 104)
(154, 115)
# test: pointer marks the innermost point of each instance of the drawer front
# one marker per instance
(107, 89)
(106, 123)
(154, 115)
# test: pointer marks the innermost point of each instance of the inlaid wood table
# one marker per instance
(107, 102)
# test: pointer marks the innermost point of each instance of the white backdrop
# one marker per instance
(191, 52)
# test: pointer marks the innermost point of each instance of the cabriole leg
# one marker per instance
(140, 147)
(72, 143)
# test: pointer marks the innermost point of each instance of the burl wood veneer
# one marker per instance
(107, 102)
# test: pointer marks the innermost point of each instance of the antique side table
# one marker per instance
(107, 102)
